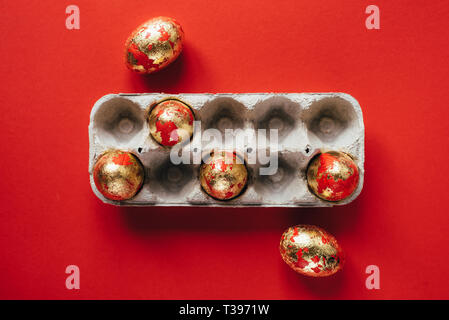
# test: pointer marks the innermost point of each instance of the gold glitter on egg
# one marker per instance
(311, 251)
(154, 45)
(223, 176)
(332, 176)
(118, 175)
(171, 122)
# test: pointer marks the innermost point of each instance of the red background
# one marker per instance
(50, 217)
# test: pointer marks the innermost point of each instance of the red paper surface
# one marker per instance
(50, 217)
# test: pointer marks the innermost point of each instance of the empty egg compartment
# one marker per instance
(296, 126)
(118, 123)
(279, 117)
(223, 113)
(169, 183)
(332, 121)
(280, 179)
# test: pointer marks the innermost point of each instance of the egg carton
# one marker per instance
(307, 124)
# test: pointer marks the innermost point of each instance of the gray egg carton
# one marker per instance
(307, 123)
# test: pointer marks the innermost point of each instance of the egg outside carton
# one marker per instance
(307, 123)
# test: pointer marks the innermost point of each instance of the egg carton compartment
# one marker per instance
(306, 124)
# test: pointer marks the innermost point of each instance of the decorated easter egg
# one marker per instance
(311, 251)
(332, 176)
(118, 175)
(223, 176)
(154, 45)
(171, 122)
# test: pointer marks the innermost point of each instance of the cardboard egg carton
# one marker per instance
(306, 124)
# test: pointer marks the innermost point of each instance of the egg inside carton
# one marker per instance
(306, 124)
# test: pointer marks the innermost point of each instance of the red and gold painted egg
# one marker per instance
(154, 45)
(311, 251)
(118, 175)
(171, 122)
(332, 176)
(223, 176)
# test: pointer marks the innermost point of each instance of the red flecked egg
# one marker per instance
(223, 176)
(311, 251)
(332, 176)
(171, 122)
(154, 45)
(118, 175)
